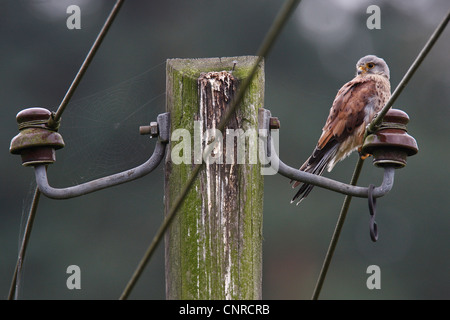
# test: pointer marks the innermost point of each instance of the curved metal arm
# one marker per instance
(280, 167)
(355, 191)
(101, 183)
(113, 180)
(330, 184)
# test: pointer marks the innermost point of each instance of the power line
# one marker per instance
(87, 61)
(23, 247)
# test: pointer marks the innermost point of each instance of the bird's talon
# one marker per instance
(364, 156)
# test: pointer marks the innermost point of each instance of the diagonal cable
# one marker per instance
(84, 66)
(53, 123)
(278, 24)
(375, 122)
(23, 246)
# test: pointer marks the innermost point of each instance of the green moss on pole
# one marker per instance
(214, 245)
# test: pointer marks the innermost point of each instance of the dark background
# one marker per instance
(106, 233)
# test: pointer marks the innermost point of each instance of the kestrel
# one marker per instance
(354, 107)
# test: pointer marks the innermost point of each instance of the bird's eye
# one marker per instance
(370, 65)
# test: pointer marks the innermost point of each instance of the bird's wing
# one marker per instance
(347, 112)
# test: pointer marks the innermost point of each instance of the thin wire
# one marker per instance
(376, 121)
(57, 116)
(412, 69)
(54, 122)
(337, 231)
(278, 24)
(23, 247)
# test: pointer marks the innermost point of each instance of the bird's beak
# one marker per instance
(362, 69)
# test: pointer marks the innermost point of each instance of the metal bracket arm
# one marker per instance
(280, 167)
(113, 180)
(355, 191)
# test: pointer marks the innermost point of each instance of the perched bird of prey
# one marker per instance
(354, 107)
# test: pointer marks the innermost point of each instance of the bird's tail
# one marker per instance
(315, 164)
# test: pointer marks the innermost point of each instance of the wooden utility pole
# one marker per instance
(214, 245)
